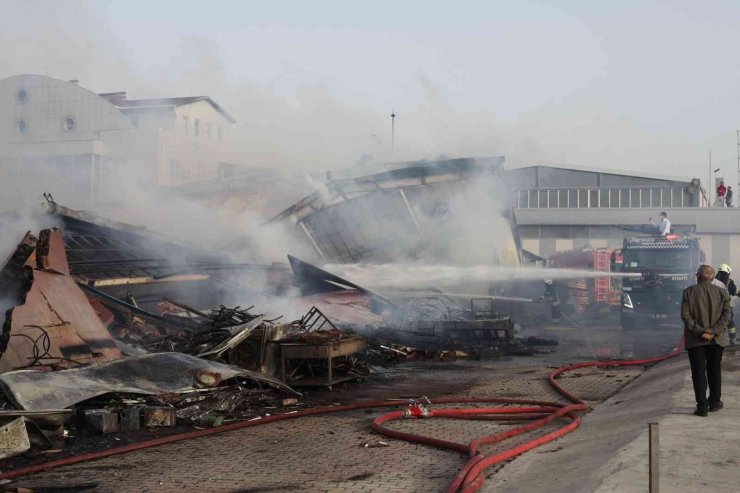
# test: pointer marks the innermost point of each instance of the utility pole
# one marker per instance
(710, 184)
(393, 137)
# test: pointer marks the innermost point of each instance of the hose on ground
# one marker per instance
(470, 478)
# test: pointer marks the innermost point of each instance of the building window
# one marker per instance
(593, 197)
(676, 197)
(562, 198)
(613, 198)
(196, 127)
(185, 123)
(21, 95)
(534, 199)
(543, 199)
(219, 133)
(656, 199)
(69, 124)
(20, 126)
(522, 198)
(573, 199)
(645, 200)
(624, 198)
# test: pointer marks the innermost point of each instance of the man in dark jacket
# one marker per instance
(706, 311)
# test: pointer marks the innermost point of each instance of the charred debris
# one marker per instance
(112, 328)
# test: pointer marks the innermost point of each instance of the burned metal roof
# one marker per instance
(412, 174)
(104, 252)
(390, 215)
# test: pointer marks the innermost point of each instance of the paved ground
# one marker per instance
(328, 453)
(697, 454)
(609, 452)
(324, 453)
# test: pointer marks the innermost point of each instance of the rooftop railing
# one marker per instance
(588, 198)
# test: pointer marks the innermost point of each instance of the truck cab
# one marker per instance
(657, 270)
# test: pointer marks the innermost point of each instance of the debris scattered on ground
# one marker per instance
(151, 374)
(14, 438)
(119, 332)
(377, 444)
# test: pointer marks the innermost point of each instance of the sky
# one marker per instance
(637, 86)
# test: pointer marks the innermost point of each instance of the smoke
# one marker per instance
(14, 226)
(312, 126)
(473, 231)
(296, 116)
(236, 234)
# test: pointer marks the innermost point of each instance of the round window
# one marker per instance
(20, 126)
(69, 123)
(21, 95)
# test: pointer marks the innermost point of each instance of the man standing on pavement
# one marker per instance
(728, 197)
(706, 311)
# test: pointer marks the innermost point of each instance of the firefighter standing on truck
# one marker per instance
(723, 275)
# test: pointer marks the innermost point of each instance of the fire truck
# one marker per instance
(659, 269)
(592, 293)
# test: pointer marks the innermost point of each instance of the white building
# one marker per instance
(58, 137)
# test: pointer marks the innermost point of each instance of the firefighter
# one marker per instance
(723, 275)
(551, 296)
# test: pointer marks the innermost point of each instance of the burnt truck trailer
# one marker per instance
(660, 268)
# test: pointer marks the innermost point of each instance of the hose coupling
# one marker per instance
(418, 408)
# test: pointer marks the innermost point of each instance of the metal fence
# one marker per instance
(585, 198)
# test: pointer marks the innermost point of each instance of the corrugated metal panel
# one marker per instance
(56, 325)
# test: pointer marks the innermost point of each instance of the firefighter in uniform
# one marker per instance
(551, 296)
(723, 275)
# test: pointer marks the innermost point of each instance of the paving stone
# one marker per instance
(326, 453)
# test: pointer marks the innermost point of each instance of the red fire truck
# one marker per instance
(591, 293)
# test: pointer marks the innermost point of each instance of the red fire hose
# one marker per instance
(470, 478)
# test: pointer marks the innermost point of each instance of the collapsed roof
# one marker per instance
(405, 213)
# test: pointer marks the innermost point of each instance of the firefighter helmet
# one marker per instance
(548, 281)
(724, 268)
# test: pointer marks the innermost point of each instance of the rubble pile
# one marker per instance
(75, 357)
(114, 330)
(55, 326)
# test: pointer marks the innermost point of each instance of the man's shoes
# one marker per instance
(699, 412)
(716, 407)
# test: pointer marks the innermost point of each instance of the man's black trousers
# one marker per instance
(706, 368)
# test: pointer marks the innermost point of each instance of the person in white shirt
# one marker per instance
(664, 226)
